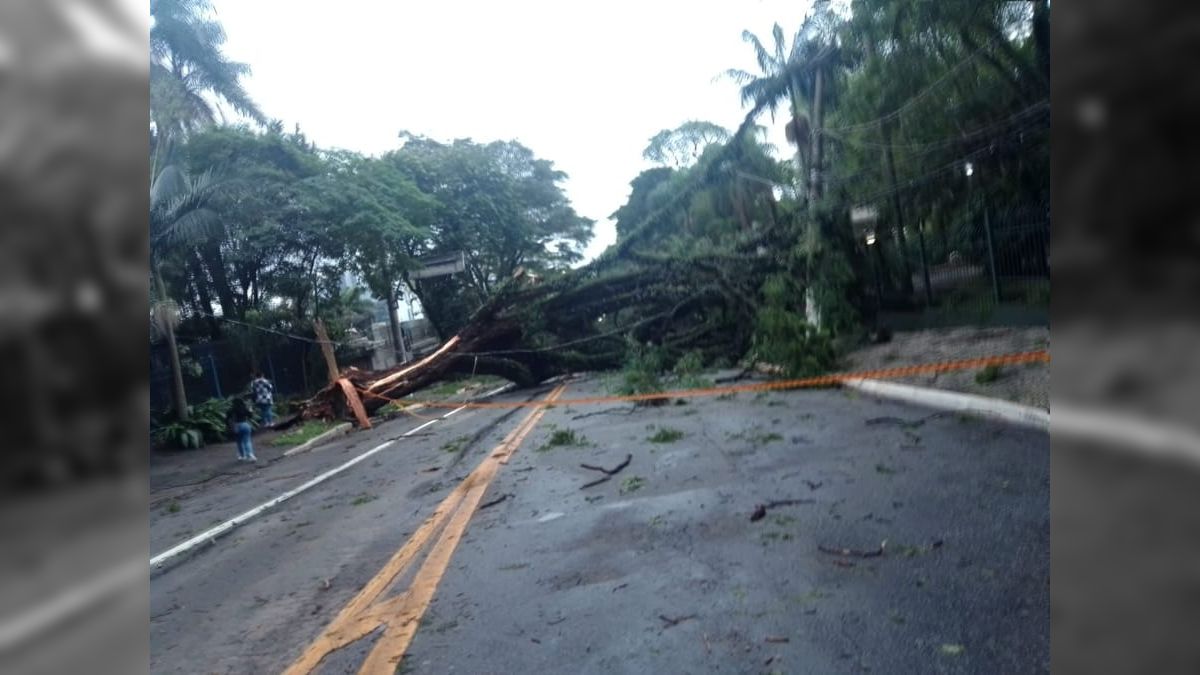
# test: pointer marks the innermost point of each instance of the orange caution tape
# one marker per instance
(774, 385)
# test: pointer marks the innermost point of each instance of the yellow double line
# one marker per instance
(400, 614)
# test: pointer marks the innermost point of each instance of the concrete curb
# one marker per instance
(982, 406)
(311, 443)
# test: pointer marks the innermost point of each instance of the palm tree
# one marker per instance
(179, 216)
(188, 71)
(796, 75)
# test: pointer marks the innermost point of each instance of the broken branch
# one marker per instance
(760, 511)
(671, 623)
(494, 502)
(608, 473)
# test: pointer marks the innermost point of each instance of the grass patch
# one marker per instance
(302, 434)
(173, 507)
(884, 469)
(768, 537)
(364, 498)
(514, 567)
(562, 438)
(455, 446)
(988, 375)
(665, 435)
(632, 484)
(810, 597)
(755, 437)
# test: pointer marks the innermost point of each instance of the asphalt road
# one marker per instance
(658, 570)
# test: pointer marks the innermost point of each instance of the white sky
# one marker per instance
(582, 84)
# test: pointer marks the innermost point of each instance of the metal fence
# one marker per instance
(219, 369)
(987, 269)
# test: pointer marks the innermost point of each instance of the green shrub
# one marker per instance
(783, 336)
(665, 435)
(205, 424)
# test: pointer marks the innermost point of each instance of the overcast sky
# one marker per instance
(582, 84)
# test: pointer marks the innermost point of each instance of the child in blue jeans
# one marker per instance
(239, 420)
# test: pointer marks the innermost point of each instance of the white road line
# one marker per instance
(412, 431)
(68, 603)
(211, 534)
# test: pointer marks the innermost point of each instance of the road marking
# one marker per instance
(210, 535)
(400, 614)
(71, 602)
(414, 430)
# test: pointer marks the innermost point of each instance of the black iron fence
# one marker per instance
(987, 269)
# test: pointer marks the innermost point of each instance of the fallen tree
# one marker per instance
(709, 301)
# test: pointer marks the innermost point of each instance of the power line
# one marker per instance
(920, 95)
(1031, 111)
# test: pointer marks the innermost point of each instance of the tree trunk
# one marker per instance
(198, 278)
(215, 262)
(906, 283)
(178, 394)
(398, 348)
(812, 311)
(818, 141)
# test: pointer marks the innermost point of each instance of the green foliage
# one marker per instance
(302, 434)
(632, 484)
(988, 374)
(562, 438)
(205, 424)
(456, 445)
(644, 365)
(690, 363)
(783, 336)
(665, 435)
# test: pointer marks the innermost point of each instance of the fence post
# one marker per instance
(987, 231)
(212, 366)
(924, 263)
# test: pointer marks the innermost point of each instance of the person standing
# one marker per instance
(239, 421)
(263, 393)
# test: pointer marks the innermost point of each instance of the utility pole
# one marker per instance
(326, 349)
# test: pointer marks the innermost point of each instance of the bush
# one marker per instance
(644, 365)
(205, 424)
(783, 336)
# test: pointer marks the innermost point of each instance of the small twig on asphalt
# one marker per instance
(614, 590)
(613, 471)
(556, 621)
(671, 623)
(854, 553)
(760, 511)
(608, 473)
(166, 612)
(777, 639)
(813, 485)
(430, 469)
(607, 411)
(495, 501)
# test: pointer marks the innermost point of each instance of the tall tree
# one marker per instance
(179, 217)
(682, 146)
(498, 204)
(189, 71)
